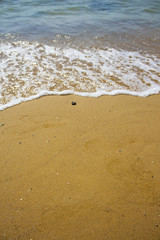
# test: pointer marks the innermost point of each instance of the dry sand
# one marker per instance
(86, 172)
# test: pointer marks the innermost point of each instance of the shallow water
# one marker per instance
(89, 48)
(46, 17)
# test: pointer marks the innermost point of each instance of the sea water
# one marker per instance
(83, 47)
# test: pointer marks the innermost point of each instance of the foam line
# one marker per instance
(30, 70)
(82, 94)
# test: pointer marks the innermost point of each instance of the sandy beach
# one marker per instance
(88, 171)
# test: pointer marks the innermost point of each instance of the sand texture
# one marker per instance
(89, 171)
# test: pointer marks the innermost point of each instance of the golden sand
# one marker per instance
(86, 172)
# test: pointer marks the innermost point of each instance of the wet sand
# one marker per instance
(88, 171)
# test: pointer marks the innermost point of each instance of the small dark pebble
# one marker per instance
(152, 176)
(20, 143)
(74, 103)
(120, 150)
(156, 225)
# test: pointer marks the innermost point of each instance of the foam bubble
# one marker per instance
(30, 70)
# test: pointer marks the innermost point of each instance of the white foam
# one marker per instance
(30, 70)
(82, 94)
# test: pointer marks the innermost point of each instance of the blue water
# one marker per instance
(84, 47)
(46, 17)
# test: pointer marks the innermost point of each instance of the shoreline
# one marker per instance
(85, 171)
(96, 94)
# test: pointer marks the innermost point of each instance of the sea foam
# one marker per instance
(31, 69)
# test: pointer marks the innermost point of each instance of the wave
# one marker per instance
(31, 69)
